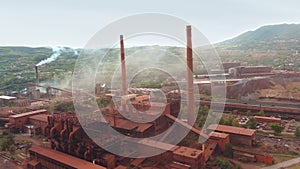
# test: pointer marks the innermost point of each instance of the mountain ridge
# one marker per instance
(280, 37)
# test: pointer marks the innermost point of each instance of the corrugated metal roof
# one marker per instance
(7, 97)
(64, 158)
(28, 113)
(232, 130)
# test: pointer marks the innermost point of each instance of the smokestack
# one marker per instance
(124, 85)
(190, 81)
(36, 74)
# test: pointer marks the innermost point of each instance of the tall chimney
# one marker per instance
(36, 74)
(124, 85)
(190, 81)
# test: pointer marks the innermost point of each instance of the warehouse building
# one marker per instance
(41, 157)
(237, 135)
(263, 119)
(39, 122)
(18, 121)
(221, 139)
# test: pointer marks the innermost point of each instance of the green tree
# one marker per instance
(203, 110)
(7, 141)
(236, 123)
(4, 144)
(63, 106)
(277, 128)
(230, 120)
(248, 113)
(224, 164)
(103, 102)
(297, 132)
(202, 115)
(222, 121)
(261, 113)
(228, 151)
(252, 123)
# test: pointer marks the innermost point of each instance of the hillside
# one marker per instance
(270, 37)
(56, 65)
(17, 65)
(273, 45)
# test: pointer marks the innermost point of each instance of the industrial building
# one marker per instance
(253, 156)
(67, 136)
(221, 139)
(238, 136)
(191, 157)
(39, 123)
(263, 119)
(228, 65)
(250, 71)
(68, 139)
(7, 100)
(18, 121)
(41, 158)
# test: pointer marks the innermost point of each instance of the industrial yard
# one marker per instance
(259, 126)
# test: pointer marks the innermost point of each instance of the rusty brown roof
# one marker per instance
(267, 118)
(219, 135)
(33, 162)
(64, 158)
(127, 124)
(28, 113)
(187, 152)
(232, 130)
(156, 144)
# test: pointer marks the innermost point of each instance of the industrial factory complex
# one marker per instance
(66, 145)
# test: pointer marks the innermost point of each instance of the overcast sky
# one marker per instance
(73, 23)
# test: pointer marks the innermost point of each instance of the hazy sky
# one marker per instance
(73, 23)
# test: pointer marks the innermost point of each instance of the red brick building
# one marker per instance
(221, 139)
(237, 135)
(39, 122)
(18, 121)
(47, 158)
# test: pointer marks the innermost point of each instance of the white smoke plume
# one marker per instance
(56, 52)
(75, 53)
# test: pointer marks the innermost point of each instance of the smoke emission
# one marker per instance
(56, 52)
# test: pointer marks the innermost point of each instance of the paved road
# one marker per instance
(284, 164)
